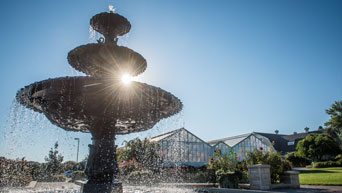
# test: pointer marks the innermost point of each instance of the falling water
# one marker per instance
(111, 8)
(127, 189)
(74, 72)
(93, 35)
(163, 126)
(30, 134)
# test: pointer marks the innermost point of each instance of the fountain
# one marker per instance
(100, 103)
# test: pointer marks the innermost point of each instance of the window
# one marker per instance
(290, 143)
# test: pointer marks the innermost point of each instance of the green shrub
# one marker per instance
(143, 177)
(197, 177)
(127, 167)
(338, 157)
(57, 178)
(14, 181)
(78, 175)
(327, 164)
(15, 172)
(226, 167)
(277, 165)
(297, 160)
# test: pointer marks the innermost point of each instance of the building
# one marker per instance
(284, 144)
(287, 143)
(181, 147)
(242, 144)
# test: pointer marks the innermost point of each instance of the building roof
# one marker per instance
(170, 133)
(164, 135)
(281, 140)
(299, 136)
(231, 141)
(278, 142)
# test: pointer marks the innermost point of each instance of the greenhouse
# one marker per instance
(242, 144)
(181, 147)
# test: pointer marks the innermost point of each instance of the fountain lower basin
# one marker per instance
(82, 103)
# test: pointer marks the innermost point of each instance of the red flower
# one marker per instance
(261, 148)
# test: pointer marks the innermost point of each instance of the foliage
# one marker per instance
(78, 175)
(70, 166)
(277, 165)
(15, 172)
(315, 146)
(226, 167)
(197, 177)
(127, 167)
(334, 125)
(82, 164)
(144, 152)
(57, 178)
(142, 177)
(296, 160)
(331, 163)
(225, 163)
(54, 161)
(321, 176)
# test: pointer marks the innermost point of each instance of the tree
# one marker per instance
(297, 160)
(334, 125)
(144, 152)
(69, 166)
(315, 146)
(54, 161)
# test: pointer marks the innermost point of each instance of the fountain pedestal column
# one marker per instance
(102, 167)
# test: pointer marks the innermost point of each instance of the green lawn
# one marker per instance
(321, 176)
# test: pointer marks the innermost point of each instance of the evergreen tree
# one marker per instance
(54, 161)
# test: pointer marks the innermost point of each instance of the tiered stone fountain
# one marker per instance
(100, 103)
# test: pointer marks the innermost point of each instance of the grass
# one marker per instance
(321, 176)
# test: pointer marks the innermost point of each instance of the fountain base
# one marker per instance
(115, 187)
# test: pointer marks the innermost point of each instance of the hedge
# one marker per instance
(326, 164)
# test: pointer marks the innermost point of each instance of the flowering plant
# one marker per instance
(14, 172)
(224, 162)
(226, 167)
(272, 158)
(126, 167)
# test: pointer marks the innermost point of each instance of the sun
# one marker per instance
(126, 79)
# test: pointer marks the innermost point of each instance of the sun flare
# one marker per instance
(126, 79)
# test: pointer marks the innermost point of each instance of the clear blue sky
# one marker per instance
(238, 66)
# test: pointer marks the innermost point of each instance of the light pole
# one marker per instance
(78, 147)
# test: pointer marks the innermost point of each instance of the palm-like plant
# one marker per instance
(334, 125)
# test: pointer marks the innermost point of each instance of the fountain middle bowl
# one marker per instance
(79, 103)
(103, 59)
